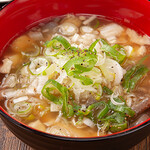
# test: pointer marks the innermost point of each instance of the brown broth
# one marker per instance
(42, 112)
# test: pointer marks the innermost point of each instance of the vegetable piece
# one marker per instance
(111, 30)
(72, 19)
(116, 122)
(63, 41)
(137, 76)
(51, 87)
(93, 45)
(121, 108)
(37, 125)
(23, 108)
(93, 106)
(106, 90)
(84, 80)
(9, 81)
(105, 126)
(99, 91)
(20, 99)
(129, 50)
(6, 67)
(82, 63)
(120, 49)
(90, 19)
(55, 45)
(116, 117)
(117, 52)
(38, 65)
(118, 127)
(88, 122)
(133, 75)
(112, 71)
(79, 65)
(104, 111)
(22, 43)
(138, 39)
(127, 77)
(59, 130)
(55, 108)
(30, 118)
(113, 100)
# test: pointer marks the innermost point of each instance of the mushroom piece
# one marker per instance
(57, 130)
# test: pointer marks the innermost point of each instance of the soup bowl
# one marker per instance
(20, 15)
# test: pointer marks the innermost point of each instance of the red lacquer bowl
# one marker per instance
(19, 15)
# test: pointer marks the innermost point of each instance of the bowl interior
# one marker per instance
(22, 14)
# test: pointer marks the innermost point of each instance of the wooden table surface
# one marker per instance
(9, 142)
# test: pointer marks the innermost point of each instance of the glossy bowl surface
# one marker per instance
(20, 15)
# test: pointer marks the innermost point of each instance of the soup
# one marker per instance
(77, 76)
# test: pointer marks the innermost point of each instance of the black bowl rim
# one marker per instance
(78, 139)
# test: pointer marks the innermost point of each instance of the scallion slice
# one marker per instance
(58, 94)
(38, 65)
(55, 45)
(117, 52)
(23, 108)
(134, 74)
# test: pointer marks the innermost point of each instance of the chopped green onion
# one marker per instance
(127, 76)
(48, 91)
(84, 80)
(56, 41)
(104, 111)
(133, 75)
(140, 72)
(23, 108)
(99, 91)
(57, 44)
(78, 65)
(92, 106)
(93, 45)
(105, 127)
(118, 127)
(121, 108)
(116, 117)
(119, 48)
(119, 54)
(63, 41)
(106, 90)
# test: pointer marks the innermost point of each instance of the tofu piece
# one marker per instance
(6, 66)
(37, 125)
